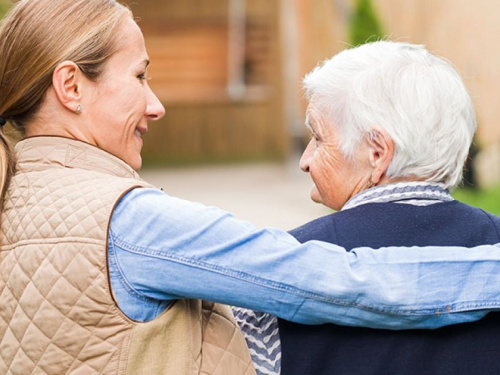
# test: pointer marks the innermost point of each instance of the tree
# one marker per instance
(364, 25)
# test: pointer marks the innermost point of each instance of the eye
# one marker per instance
(143, 76)
(315, 137)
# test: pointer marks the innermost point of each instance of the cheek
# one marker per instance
(134, 101)
(329, 180)
(138, 106)
(322, 166)
(131, 99)
(138, 96)
(322, 180)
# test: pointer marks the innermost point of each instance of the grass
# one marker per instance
(487, 199)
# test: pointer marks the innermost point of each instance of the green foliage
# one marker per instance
(364, 26)
(4, 6)
(487, 199)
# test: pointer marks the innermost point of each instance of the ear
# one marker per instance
(381, 149)
(66, 81)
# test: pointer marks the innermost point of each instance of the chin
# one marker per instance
(136, 164)
(315, 197)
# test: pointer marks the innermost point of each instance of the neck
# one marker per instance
(387, 181)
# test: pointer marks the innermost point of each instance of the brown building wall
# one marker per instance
(192, 64)
(205, 122)
(466, 33)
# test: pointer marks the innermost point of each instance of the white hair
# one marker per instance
(418, 98)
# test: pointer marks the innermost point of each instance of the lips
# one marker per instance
(140, 131)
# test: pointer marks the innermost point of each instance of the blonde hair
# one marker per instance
(37, 35)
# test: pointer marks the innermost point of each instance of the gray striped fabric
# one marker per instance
(423, 192)
(262, 335)
(261, 329)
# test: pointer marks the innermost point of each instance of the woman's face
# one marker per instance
(336, 178)
(121, 102)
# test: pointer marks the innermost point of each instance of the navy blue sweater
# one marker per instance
(472, 348)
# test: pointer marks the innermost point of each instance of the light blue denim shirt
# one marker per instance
(163, 248)
(261, 330)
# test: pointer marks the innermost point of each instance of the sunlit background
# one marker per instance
(229, 73)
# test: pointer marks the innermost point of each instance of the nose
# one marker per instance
(306, 155)
(155, 110)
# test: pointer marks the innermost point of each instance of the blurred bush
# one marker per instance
(487, 199)
(4, 6)
(365, 25)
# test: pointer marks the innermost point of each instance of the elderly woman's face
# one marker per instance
(335, 178)
(122, 103)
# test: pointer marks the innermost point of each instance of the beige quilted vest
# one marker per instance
(57, 313)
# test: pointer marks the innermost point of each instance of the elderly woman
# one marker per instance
(391, 127)
(103, 274)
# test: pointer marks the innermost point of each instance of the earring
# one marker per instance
(78, 109)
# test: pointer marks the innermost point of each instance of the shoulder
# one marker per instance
(157, 204)
(322, 229)
(477, 214)
(152, 205)
(143, 215)
(331, 227)
(144, 211)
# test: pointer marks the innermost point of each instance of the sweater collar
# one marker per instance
(48, 151)
(416, 193)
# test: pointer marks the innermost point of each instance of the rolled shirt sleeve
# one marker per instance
(167, 248)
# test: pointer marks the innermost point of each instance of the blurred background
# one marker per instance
(229, 74)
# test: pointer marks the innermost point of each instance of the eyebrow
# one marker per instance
(308, 123)
(145, 61)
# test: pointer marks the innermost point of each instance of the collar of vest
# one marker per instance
(47, 151)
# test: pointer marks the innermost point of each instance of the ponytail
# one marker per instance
(7, 164)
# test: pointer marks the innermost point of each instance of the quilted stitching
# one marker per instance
(224, 348)
(54, 231)
(49, 214)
